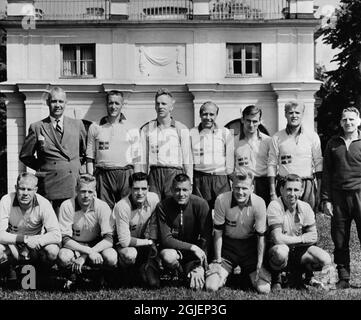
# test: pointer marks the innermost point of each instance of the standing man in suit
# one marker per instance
(53, 147)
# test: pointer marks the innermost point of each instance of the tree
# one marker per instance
(341, 87)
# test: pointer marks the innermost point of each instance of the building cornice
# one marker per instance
(41, 24)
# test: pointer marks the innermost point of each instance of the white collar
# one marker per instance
(53, 120)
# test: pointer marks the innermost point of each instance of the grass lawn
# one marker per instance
(180, 293)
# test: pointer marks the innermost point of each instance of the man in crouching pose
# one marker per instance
(137, 230)
(23, 215)
(87, 229)
(239, 228)
(185, 229)
(293, 234)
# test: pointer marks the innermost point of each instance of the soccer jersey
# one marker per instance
(94, 223)
(42, 215)
(299, 154)
(113, 145)
(132, 221)
(294, 223)
(212, 150)
(168, 147)
(236, 222)
(252, 154)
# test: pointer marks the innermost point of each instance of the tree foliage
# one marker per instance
(341, 87)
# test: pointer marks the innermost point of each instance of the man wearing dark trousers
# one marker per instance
(185, 229)
(58, 142)
(341, 189)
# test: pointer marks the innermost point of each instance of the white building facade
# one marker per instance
(235, 53)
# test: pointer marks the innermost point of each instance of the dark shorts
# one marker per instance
(262, 189)
(209, 186)
(239, 252)
(113, 184)
(161, 179)
(295, 256)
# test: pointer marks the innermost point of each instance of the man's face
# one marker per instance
(349, 122)
(164, 106)
(139, 191)
(86, 193)
(242, 190)
(181, 192)
(57, 104)
(114, 106)
(208, 116)
(291, 192)
(294, 116)
(25, 191)
(251, 123)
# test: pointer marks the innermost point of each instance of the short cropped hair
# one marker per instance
(206, 104)
(350, 109)
(27, 175)
(181, 177)
(85, 178)
(163, 91)
(114, 93)
(251, 110)
(294, 103)
(138, 176)
(243, 174)
(292, 178)
(51, 92)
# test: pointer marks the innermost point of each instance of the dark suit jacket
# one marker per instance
(57, 164)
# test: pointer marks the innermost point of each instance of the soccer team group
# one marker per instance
(197, 203)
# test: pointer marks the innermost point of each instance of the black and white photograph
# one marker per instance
(195, 152)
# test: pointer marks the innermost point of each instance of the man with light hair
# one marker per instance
(213, 155)
(341, 189)
(24, 215)
(239, 235)
(295, 150)
(87, 229)
(53, 147)
(166, 149)
(113, 151)
(293, 237)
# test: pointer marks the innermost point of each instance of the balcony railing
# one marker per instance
(248, 9)
(72, 10)
(160, 9)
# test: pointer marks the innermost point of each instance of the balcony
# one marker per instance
(160, 10)
(72, 10)
(248, 9)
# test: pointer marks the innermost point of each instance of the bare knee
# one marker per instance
(127, 256)
(110, 257)
(51, 252)
(65, 256)
(169, 257)
(213, 282)
(278, 256)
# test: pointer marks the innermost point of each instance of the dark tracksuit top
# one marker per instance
(196, 227)
(342, 167)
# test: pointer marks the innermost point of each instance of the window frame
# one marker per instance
(243, 60)
(77, 47)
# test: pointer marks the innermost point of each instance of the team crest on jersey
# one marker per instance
(231, 223)
(103, 145)
(286, 159)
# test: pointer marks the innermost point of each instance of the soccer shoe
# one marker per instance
(276, 287)
(343, 284)
(149, 272)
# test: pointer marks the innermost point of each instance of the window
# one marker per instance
(78, 60)
(244, 59)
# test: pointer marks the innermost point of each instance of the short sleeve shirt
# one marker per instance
(87, 226)
(292, 224)
(240, 223)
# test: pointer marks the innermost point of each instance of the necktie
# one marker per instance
(58, 129)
